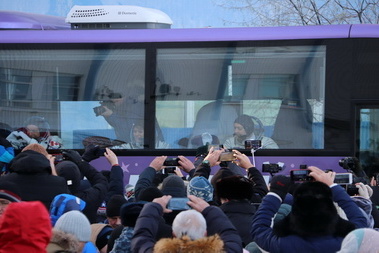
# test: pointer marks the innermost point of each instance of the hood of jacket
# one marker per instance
(186, 245)
(62, 241)
(25, 227)
(30, 162)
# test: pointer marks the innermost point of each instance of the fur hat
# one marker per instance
(64, 203)
(234, 187)
(9, 191)
(100, 234)
(200, 187)
(149, 193)
(76, 223)
(114, 205)
(247, 123)
(313, 213)
(174, 185)
(130, 212)
(70, 171)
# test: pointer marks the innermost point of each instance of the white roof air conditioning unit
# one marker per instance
(116, 17)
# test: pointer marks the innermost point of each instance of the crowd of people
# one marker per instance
(205, 205)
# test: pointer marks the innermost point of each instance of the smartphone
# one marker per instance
(343, 178)
(253, 144)
(169, 170)
(171, 162)
(300, 175)
(178, 204)
(227, 157)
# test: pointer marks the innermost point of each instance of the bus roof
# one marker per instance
(12, 34)
(13, 20)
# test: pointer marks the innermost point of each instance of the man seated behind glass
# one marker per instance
(244, 130)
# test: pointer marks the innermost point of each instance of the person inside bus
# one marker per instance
(137, 138)
(35, 130)
(123, 112)
(244, 130)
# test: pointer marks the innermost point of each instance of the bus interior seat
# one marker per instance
(216, 118)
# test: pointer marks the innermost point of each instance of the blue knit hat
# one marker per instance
(75, 223)
(64, 203)
(200, 187)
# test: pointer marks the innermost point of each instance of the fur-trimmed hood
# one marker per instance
(62, 241)
(186, 245)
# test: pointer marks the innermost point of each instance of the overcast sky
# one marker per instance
(184, 13)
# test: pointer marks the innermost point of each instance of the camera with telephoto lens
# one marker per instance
(348, 163)
(99, 110)
(271, 168)
(171, 162)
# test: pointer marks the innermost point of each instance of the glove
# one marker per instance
(202, 151)
(280, 185)
(5, 143)
(72, 155)
(364, 191)
(92, 152)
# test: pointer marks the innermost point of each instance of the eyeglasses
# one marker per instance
(4, 202)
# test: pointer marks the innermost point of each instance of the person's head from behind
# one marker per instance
(243, 126)
(189, 223)
(234, 187)
(313, 212)
(8, 193)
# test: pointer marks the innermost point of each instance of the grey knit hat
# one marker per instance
(76, 223)
(174, 185)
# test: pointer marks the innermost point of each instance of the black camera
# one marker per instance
(98, 110)
(300, 175)
(352, 189)
(271, 168)
(171, 162)
(348, 163)
(253, 144)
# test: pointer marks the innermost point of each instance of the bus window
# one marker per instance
(203, 90)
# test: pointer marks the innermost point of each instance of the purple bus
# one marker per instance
(311, 90)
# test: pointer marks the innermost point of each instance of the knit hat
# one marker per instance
(64, 203)
(9, 191)
(149, 193)
(114, 205)
(100, 234)
(76, 223)
(70, 171)
(130, 212)
(247, 123)
(173, 185)
(200, 187)
(234, 187)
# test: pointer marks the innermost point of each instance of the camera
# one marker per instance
(253, 144)
(348, 163)
(352, 189)
(300, 175)
(271, 168)
(227, 157)
(178, 204)
(303, 166)
(169, 170)
(171, 162)
(343, 178)
(98, 110)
